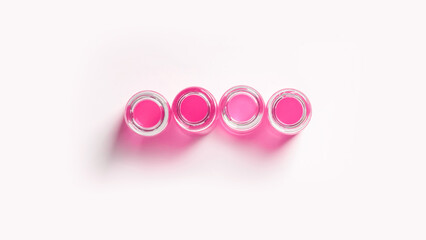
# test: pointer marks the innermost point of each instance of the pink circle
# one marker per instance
(194, 108)
(242, 107)
(147, 113)
(289, 110)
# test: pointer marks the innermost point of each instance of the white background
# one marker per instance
(68, 68)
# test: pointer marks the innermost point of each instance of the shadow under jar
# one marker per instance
(147, 113)
(194, 110)
(289, 111)
(241, 109)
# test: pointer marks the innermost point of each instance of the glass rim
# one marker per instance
(207, 121)
(152, 96)
(294, 128)
(245, 126)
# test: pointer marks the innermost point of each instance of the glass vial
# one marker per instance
(241, 109)
(289, 111)
(147, 113)
(194, 110)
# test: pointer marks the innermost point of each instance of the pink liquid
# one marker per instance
(194, 108)
(289, 110)
(147, 113)
(242, 107)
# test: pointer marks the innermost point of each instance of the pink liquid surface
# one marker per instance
(147, 113)
(242, 107)
(194, 108)
(289, 110)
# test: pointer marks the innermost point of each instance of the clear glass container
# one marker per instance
(147, 113)
(289, 111)
(241, 109)
(195, 110)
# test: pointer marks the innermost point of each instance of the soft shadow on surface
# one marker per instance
(263, 140)
(263, 143)
(161, 148)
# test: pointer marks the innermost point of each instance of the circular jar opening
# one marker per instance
(289, 111)
(241, 109)
(147, 113)
(195, 109)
